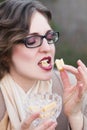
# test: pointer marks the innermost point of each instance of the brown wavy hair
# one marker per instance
(15, 17)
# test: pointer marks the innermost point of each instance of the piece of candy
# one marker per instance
(59, 63)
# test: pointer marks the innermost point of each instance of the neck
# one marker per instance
(24, 83)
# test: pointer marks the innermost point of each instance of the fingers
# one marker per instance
(80, 91)
(83, 78)
(71, 69)
(83, 66)
(82, 69)
(27, 122)
(52, 127)
(80, 72)
(74, 70)
(47, 125)
(65, 79)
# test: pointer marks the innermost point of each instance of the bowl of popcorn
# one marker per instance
(49, 106)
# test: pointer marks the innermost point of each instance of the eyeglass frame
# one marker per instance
(24, 41)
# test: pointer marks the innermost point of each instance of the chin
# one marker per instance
(47, 77)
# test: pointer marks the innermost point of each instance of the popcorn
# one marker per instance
(45, 63)
(34, 108)
(50, 106)
(46, 111)
(59, 63)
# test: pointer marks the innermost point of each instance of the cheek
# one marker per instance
(53, 50)
(22, 55)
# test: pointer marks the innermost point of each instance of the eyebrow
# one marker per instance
(35, 33)
(31, 34)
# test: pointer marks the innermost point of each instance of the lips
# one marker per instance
(45, 63)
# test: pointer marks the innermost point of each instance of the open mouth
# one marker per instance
(45, 63)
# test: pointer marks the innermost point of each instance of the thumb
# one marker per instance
(27, 122)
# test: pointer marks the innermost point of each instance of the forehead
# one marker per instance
(39, 23)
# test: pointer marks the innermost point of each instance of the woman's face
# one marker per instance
(36, 63)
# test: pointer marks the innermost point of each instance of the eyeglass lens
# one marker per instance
(37, 40)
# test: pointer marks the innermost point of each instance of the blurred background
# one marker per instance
(70, 19)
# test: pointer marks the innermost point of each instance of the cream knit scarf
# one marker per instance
(14, 96)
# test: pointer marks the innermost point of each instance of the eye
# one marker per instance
(31, 40)
(49, 36)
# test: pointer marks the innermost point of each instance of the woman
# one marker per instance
(26, 66)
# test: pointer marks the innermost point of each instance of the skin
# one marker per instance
(77, 91)
(47, 125)
(25, 70)
(73, 94)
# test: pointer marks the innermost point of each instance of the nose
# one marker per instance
(45, 47)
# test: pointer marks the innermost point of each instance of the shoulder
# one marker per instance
(57, 83)
(2, 106)
(56, 76)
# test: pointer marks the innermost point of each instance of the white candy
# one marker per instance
(59, 63)
(45, 63)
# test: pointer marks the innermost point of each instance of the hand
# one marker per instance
(83, 74)
(73, 94)
(46, 125)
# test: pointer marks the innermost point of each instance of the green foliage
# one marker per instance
(55, 26)
(67, 51)
(70, 54)
(1, 0)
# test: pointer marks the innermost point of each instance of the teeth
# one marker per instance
(45, 63)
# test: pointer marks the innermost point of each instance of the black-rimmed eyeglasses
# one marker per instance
(36, 40)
